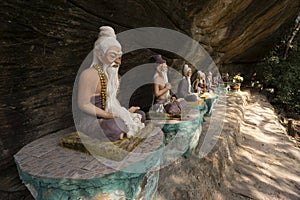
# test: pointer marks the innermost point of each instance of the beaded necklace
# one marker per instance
(103, 84)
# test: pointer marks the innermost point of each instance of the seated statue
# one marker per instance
(200, 84)
(164, 102)
(185, 86)
(97, 94)
(209, 81)
(225, 77)
(162, 86)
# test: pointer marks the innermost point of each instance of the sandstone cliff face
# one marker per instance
(44, 42)
(240, 31)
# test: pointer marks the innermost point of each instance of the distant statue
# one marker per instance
(226, 77)
(209, 81)
(164, 102)
(217, 79)
(97, 93)
(161, 83)
(185, 86)
(200, 84)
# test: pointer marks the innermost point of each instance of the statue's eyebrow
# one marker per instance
(118, 53)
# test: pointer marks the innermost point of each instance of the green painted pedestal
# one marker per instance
(52, 172)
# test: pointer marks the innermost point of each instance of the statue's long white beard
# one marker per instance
(132, 120)
(164, 75)
(189, 85)
(210, 80)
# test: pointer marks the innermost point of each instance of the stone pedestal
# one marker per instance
(52, 172)
(181, 136)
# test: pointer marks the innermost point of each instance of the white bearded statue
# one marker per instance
(209, 80)
(107, 39)
(186, 69)
(164, 74)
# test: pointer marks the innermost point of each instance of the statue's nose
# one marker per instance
(118, 61)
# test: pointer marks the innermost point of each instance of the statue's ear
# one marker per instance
(100, 54)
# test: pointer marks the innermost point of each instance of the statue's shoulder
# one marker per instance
(88, 74)
(90, 71)
(158, 79)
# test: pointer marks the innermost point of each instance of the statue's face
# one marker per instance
(189, 73)
(112, 54)
(164, 67)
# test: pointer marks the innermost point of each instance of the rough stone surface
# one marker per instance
(253, 158)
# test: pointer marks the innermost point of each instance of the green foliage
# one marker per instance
(238, 78)
(284, 75)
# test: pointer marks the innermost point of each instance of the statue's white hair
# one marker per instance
(106, 39)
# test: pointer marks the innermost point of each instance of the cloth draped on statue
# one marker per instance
(100, 128)
(184, 90)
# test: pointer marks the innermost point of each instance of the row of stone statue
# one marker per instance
(102, 115)
(186, 90)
